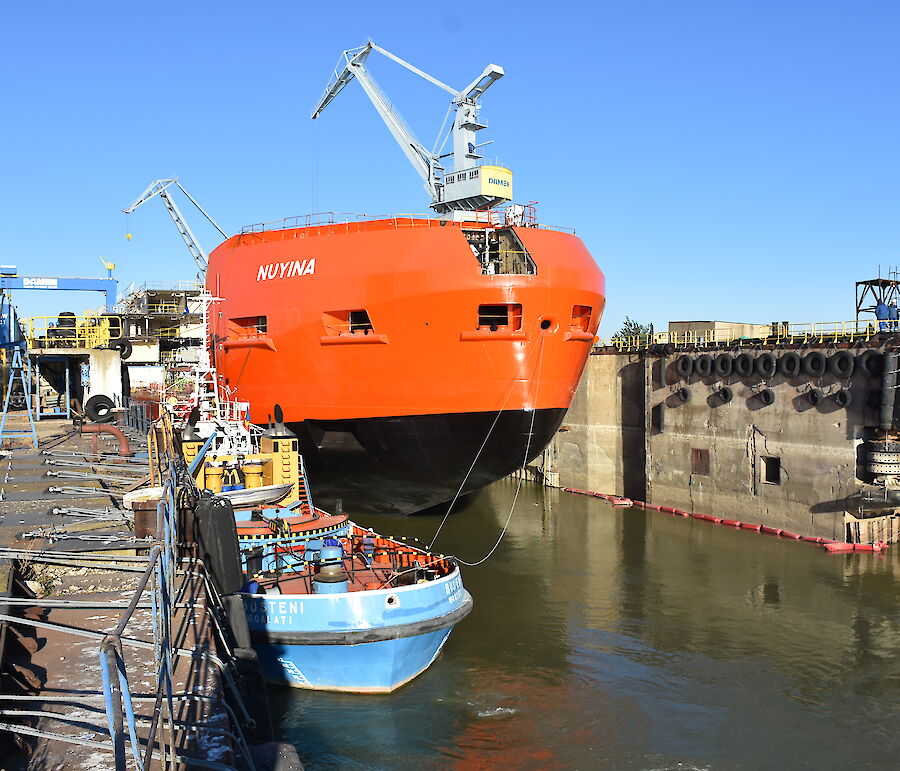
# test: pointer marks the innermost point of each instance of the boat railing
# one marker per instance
(333, 223)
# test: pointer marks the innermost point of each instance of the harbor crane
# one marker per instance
(469, 186)
(160, 188)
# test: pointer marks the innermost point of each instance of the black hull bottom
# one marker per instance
(406, 465)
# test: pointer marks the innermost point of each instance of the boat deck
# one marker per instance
(369, 562)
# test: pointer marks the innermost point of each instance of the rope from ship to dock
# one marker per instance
(512, 508)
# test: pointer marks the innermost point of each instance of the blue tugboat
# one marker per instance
(358, 613)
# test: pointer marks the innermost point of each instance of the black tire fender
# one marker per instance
(871, 362)
(684, 366)
(703, 365)
(789, 365)
(743, 365)
(843, 398)
(726, 394)
(814, 395)
(723, 364)
(99, 408)
(764, 365)
(814, 364)
(842, 364)
(767, 396)
(123, 346)
(216, 535)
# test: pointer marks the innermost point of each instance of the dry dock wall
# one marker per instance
(789, 464)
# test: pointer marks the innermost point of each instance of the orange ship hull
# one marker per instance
(388, 340)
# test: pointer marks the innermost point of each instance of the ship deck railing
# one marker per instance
(331, 223)
(87, 331)
(820, 333)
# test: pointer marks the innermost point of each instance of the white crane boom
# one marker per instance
(160, 188)
(466, 197)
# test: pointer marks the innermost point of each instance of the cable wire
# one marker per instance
(512, 508)
(475, 460)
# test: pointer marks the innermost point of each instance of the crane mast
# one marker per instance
(160, 188)
(469, 186)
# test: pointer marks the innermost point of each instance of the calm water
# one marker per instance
(605, 638)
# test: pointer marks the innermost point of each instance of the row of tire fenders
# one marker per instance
(841, 364)
(815, 364)
(829, 545)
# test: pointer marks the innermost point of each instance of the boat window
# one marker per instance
(581, 317)
(495, 317)
(349, 322)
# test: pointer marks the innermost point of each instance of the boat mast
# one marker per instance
(478, 190)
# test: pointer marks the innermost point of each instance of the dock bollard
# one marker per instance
(143, 503)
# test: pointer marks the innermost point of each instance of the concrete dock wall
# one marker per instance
(789, 464)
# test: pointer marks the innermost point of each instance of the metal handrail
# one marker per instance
(829, 332)
(157, 579)
(87, 331)
(347, 222)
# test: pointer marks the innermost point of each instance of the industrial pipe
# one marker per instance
(105, 428)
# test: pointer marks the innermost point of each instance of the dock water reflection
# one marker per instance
(625, 639)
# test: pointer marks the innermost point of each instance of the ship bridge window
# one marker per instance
(350, 322)
(492, 318)
(500, 252)
(249, 325)
(581, 317)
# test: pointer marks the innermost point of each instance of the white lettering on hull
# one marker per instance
(289, 269)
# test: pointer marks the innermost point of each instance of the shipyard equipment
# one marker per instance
(469, 186)
(9, 279)
(160, 188)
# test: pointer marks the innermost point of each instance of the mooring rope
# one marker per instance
(536, 379)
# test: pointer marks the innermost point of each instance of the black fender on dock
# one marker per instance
(216, 535)
(764, 365)
(814, 364)
(767, 396)
(743, 365)
(684, 366)
(843, 398)
(871, 362)
(723, 364)
(842, 364)
(788, 365)
(237, 620)
(703, 365)
(252, 687)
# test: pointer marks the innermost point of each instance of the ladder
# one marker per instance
(304, 495)
(21, 370)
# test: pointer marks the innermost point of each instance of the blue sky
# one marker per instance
(728, 160)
